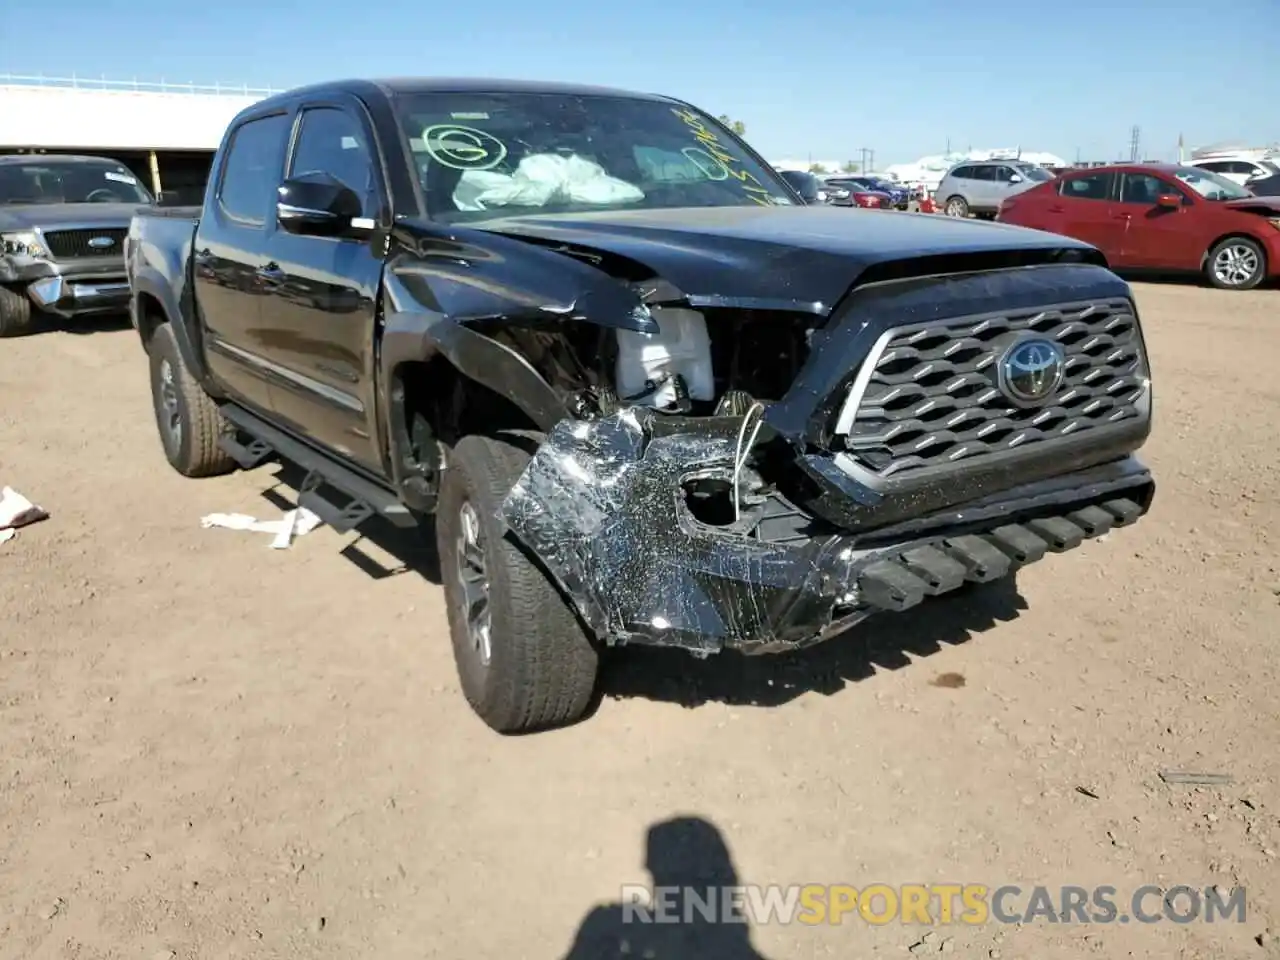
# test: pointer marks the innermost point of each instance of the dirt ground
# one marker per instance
(211, 749)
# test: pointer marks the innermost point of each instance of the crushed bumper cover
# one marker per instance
(72, 288)
(68, 297)
(601, 505)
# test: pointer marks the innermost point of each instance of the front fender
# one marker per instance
(420, 337)
(469, 275)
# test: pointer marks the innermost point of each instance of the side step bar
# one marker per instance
(364, 498)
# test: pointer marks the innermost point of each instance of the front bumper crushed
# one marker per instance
(69, 289)
(601, 505)
(70, 297)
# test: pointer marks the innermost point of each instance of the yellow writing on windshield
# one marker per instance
(756, 191)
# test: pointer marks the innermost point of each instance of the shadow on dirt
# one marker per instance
(687, 853)
(883, 642)
(413, 550)
(1162, 278)
(46, 323)
(81, 326)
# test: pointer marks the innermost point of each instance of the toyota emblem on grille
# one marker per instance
(1031, 371)
(101, 243)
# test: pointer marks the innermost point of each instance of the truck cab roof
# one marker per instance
(392, 86)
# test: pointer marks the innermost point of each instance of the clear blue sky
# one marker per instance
(897, 76)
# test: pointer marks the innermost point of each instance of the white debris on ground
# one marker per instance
(17, 511)
(295, 523)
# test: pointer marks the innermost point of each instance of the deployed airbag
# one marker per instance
(541, 179)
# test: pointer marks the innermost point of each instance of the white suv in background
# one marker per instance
(979, 186)
(1240, 169)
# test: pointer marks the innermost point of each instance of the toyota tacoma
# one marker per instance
(641, 393)
(63, 220)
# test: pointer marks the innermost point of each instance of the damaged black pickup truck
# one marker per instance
(648, 396)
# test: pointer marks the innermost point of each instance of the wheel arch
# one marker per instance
(442, 380)
(153, 302)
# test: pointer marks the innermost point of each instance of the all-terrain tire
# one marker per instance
(15, 313)
(1242, 251)
(186, 417)
(542, 664)
(956, 206)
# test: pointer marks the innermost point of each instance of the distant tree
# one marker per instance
(737, 126)
(817, 168)
(850, 167)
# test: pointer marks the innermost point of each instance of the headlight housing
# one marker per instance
(26, 243)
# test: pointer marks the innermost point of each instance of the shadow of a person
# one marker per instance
(687, 855)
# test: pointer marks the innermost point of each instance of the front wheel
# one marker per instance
(1237, 263)
(957, 207)
(524, 660)
(15, 313)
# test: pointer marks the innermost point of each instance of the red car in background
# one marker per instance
(1160, 217)
(846, 193)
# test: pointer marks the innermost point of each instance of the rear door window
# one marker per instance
(1093, 186)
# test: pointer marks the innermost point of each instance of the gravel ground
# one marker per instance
(211, 749)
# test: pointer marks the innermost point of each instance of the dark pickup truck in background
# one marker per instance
(63, 220)
(649, 396)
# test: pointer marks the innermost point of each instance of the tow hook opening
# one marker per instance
(710, 500)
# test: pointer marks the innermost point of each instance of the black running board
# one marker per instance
(362, 497)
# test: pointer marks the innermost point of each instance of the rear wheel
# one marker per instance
(524, 660)
(189, 422)
(1237, 263)
(957, 207)
(15, 313)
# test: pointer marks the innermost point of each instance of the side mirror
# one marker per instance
(316, 204)
(1169, 201)
(1016, 178)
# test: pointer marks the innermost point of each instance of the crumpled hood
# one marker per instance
(1255, 204)
(797, 255)
(29, 216)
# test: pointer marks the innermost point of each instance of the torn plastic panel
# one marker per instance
(603, 506)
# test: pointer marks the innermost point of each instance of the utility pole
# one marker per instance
(873, 160)
(1135, 139)
(863, 152)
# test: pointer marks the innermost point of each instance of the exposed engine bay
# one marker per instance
(694, 361)
(719, 364)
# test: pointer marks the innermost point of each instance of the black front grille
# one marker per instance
(70, 244)
(932, 398)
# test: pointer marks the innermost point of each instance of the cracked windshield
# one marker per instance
(478, 156)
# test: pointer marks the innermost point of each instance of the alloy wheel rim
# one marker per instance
(171, 412)
(1235, 265)
(473, 578)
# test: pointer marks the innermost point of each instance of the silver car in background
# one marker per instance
(979, 186)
